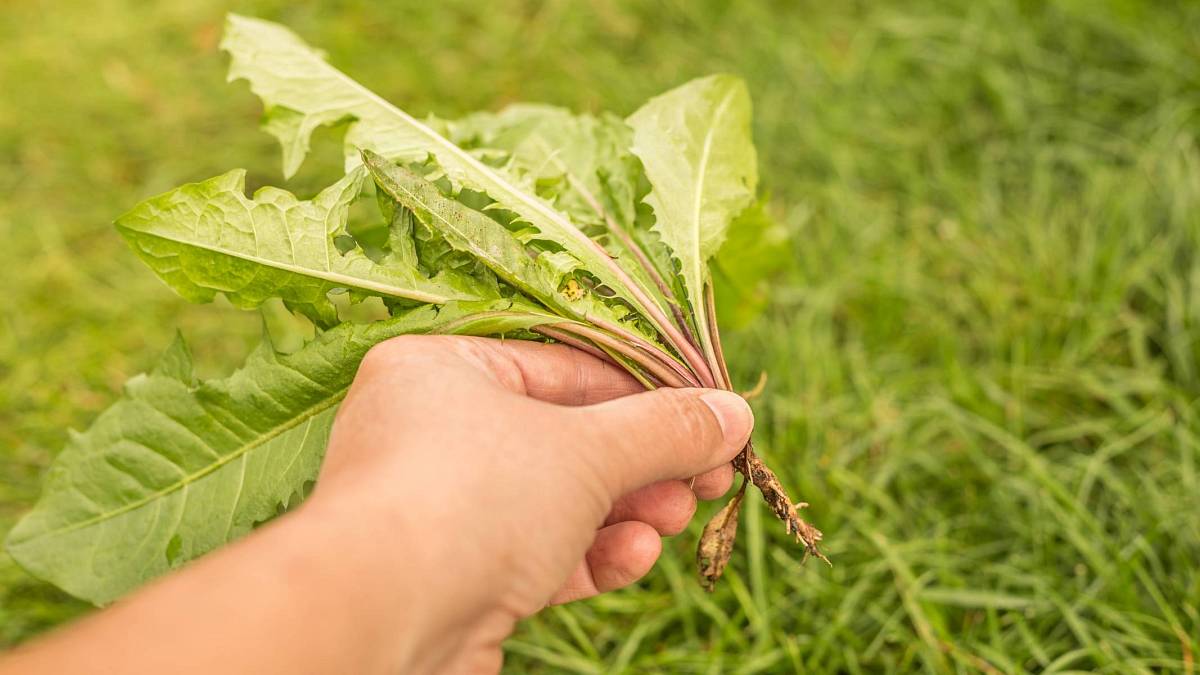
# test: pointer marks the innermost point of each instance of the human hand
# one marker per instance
(468, 483)
(471, 482)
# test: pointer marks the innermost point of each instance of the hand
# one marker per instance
(487, 479)
(467, 484)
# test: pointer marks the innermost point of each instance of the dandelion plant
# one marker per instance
(530, 223)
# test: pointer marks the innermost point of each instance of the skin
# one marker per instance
(468, 484)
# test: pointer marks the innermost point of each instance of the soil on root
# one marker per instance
(716, 542)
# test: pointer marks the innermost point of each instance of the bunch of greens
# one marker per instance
(531, 223)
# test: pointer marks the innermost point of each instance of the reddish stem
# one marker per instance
(668, 330)
(714, 334)
(652, 365)
(642, 259)
(577, 343)
(654, 351)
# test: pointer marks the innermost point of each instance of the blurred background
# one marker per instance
(983, 349)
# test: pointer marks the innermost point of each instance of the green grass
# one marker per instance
(984, 362)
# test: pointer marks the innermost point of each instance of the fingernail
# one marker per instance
(733, 414)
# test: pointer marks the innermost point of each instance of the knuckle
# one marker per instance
(373, 362)
(434, 352)
(487, 356)
(395, 352)
(383, 354)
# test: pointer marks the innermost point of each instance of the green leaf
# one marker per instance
(176, 361)
(175, 469)
(580, 162)
(539, 275)
(695, 144)
(208, 237)
(577, 159)
(301, 92)
(755, 251)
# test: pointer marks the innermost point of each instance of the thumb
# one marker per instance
(663, 434)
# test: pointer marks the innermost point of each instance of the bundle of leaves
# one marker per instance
(531, 223)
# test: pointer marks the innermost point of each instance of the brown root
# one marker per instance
(716, 543)
(752, 466)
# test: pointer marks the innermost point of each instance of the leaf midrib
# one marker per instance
(565, 227)
(510, 275)
(305, 415)
(453, 149)
(330, 276)
(698, 200)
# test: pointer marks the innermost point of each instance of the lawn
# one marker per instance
(983, 357)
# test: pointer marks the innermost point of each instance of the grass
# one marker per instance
(984, 362)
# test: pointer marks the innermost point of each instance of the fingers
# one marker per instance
(663, 434)
(667, 507)
(557, 373)
(714, 483)
(553, 373)
(620, 555)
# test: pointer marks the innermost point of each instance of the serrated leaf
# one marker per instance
(488, 241)
(208, 237)
(176, 361)
(695, 144)
(546, 144)
(301, 92)
(581, 162)
(175, 469)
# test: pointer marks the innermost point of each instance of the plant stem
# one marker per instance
(706, 324)
(642, 259)
(751, 465)
(602, 353)
(577, 343)
(645, 379)
(654, 313)
(646, 361)
(654, 351)
(714, 332)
